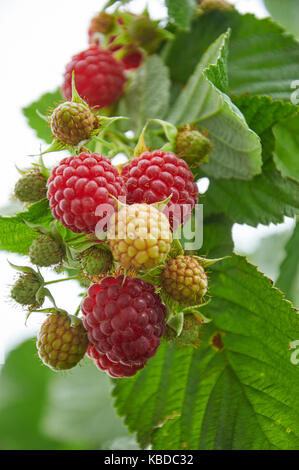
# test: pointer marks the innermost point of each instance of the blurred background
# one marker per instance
(40, 409)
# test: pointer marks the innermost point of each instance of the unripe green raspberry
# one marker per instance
(60, 345)
(210, 5)
(101, 23)
(139, 236)
(45, 251)
(73, 122)
(95, 260)
(185, 280)
(25, 289)
(142, 30)
(31, 187)
(192, 145)
(190, 332)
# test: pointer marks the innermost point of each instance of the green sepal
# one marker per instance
(57, 310)
(27, 270)
(153, 275)
(195, 310)
(176, 249)
(141, 146)
(176, 322)
(42, 116)
(76, 98)
(104, 123)
(56, 146)
(204, 262)
(52, 232)
(170, 131)
(84, 245)
(160, 205)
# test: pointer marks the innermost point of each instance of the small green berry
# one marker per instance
(73, 122)
(95, 260)
(45, 251)
(60, 344)
(25, 289)
(31, 187)
(185, 280)
(193, 146)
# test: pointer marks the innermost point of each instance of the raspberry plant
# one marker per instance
(200, 337)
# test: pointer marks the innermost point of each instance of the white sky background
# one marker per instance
(37, 40)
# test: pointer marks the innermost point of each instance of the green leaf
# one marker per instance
(238, 390)
(44, 105)
(285, 13)
(41, 409)
(80, 408)
(23, 392)
(217, 237)
(147, 93)
(262, 59)
(181, 13)
(269, 196)
(287, 280)
(15, 235)
(287, 146)
(236, 148)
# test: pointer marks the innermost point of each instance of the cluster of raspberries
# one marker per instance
(123, 316)
(137, 210)
(79, 185)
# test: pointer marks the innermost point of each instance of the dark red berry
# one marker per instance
(114, 369)
(154, 176)
(133, 59)
(125, 320)
(99, 77)
(81, 184)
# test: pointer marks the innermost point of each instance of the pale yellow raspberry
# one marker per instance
(139, 236)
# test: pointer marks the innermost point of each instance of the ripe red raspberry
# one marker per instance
(114, 369)
(78, 185)
(125, 320)
(99, 77)
(154, 176)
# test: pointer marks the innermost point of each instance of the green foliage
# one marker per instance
(40, 409)
(236, 150)
(287, 144)
(147, 94)
(238, 390)
(42, 107)
(16, 235)
(286, 14)
(262, 58)
(267, 197)
(287, 280)
(181, 13)
(230, 76)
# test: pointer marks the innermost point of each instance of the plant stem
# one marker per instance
(74, 238)
(60, 280)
